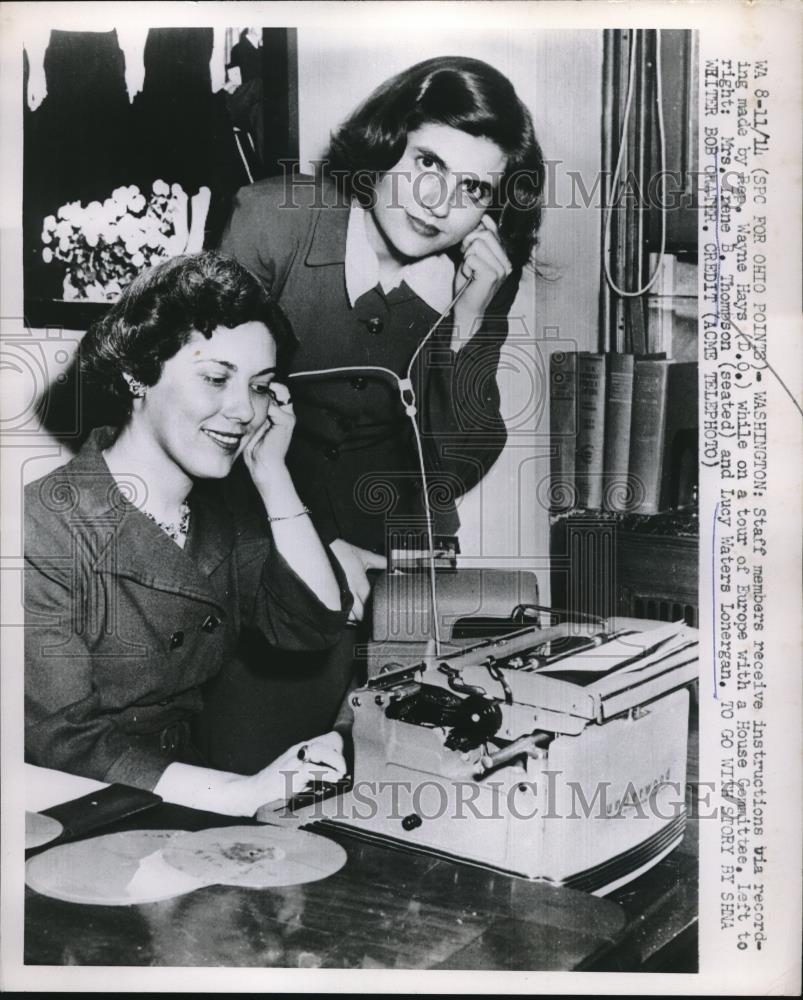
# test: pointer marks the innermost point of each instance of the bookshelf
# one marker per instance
(624, 421)
(628, 546)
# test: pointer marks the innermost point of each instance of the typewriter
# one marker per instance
(549, 749)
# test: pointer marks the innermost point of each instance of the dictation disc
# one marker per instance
(255, 857)
(40, 829)
(118, 869)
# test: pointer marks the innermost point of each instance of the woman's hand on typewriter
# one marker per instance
(319, 759)
(356, 562)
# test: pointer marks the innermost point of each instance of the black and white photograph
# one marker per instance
(361, 403)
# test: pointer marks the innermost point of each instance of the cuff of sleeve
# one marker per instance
(137, 768)
(288, 590)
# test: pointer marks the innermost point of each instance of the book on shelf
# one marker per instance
(588, 462)
(663, 435)
(624, 432)
(616, 453)
(563, 428)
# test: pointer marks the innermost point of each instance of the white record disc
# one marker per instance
(118, 869)
(255, 857)
(40, 829)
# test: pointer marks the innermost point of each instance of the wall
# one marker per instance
(558, 75)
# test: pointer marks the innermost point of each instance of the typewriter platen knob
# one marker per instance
(476, 719)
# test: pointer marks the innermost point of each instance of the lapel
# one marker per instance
(213, 529)
(328, 242)
(124, 542)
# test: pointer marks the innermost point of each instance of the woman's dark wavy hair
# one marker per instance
(156, 313)
(463, 93)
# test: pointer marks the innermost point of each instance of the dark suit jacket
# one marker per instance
(123, 627)
(353, 454)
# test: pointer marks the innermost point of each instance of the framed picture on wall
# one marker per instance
(135, 141)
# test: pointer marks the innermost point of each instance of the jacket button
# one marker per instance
(331, 452)
(359, 382)
(176, 640)
(210, 623)
(374, 325)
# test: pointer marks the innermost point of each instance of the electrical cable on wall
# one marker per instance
(408, 399)
(662, 159)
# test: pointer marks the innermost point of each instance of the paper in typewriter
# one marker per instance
(739, 298)
(631, 650)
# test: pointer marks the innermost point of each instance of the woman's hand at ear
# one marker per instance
(266, 449)
(293, 532)
(485, 265)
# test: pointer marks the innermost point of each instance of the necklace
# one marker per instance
(177, 531)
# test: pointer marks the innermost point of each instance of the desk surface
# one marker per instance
(385, 909)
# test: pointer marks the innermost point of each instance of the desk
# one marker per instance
(385, 909)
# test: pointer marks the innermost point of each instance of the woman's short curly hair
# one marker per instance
(157, 312)
(466, 94)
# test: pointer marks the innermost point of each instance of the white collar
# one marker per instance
(431, 278)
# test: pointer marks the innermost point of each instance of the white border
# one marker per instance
(771, 25)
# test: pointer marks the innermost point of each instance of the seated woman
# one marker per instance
(144, 560)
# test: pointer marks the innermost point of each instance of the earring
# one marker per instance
(136, 388)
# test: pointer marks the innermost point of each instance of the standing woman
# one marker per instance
(145, 561)
(434, 181)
